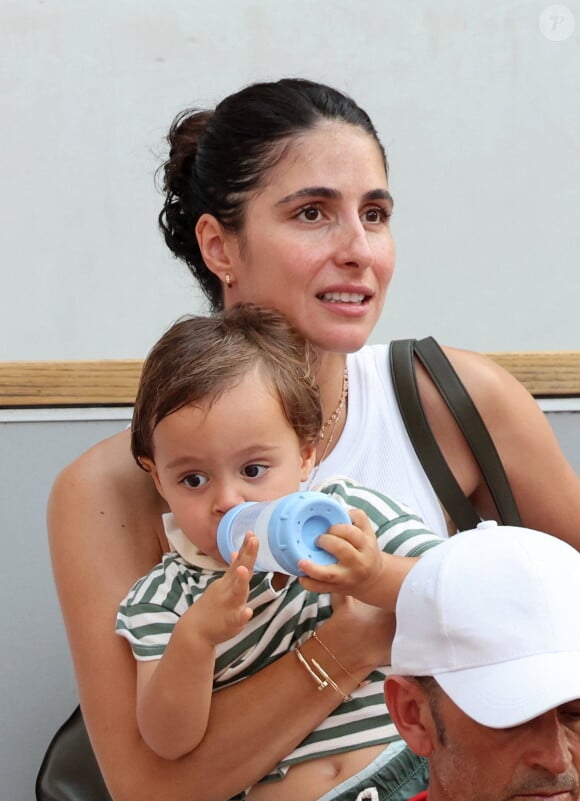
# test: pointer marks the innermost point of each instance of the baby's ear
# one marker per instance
(308, 453)
(149, 466)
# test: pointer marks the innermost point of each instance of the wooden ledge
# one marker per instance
(546, 374)
(69, 383)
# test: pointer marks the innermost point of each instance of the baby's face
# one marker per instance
(241, 448)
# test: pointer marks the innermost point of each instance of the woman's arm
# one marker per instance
(546, 488)
(105, 532)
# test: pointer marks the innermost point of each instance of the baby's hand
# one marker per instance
(222, 610)
(360, 563)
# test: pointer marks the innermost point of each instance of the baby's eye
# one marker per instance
(309, 214)
(194, 480)
(254, 470)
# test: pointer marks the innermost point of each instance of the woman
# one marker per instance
(280, 197)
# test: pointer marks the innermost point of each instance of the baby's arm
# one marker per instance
(174, 692)
(362, 570)
(375, 553)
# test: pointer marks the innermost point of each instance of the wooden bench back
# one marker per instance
(548, 374)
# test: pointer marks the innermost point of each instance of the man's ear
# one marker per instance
(149, 465)
(216, 245)
(409, 708)
(308, 453)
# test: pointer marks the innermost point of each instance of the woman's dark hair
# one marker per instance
(217, 157)
(200, 358)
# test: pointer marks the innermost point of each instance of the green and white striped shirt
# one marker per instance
(282, 620)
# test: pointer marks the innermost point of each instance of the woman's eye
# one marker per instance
(194, 480)
(309, 214)
(376, 214)
(254, 470)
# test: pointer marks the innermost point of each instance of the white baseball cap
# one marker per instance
(493, 615)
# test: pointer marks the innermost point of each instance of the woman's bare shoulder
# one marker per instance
(486, 380)
(546, 487)
(105, 504)
(107, 463)
(505, 404)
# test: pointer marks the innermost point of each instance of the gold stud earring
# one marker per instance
(228, 280)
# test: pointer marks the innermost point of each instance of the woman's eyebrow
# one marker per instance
(310, 191)
(332, 194)
(379, 194)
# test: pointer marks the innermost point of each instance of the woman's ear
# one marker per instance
(408, 706)
(308, 453)
(218, 246)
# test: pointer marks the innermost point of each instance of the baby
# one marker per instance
(227, 411)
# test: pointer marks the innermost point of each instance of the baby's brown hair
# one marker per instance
(200, 358)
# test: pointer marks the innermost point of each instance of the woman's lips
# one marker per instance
(343, 297)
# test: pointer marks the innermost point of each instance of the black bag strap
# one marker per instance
(428, 451)
(469, 421)
(472, 426)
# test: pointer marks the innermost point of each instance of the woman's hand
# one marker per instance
(368, 633)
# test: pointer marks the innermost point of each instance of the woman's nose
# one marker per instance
(353, 249)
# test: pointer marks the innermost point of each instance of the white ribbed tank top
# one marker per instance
(374, 448)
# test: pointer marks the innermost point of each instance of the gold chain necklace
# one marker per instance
(332, 421)
(335, 416)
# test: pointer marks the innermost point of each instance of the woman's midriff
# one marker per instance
(310, 780)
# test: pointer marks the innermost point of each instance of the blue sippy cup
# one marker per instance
(287, 530)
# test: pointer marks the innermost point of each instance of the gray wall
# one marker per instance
(37, 684)
(478, 109)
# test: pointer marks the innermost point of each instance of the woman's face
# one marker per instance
(316, 242)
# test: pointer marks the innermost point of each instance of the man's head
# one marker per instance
(486, 666)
